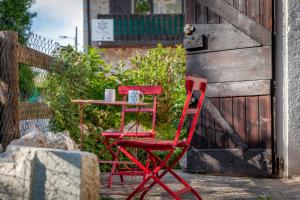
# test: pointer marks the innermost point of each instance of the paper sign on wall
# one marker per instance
(102, 30)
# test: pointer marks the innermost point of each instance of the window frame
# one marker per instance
(133, 3)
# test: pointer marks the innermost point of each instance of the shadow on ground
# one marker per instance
(211, 187)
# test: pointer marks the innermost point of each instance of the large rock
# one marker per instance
(61, 141)
(33, 137)
(38, 173)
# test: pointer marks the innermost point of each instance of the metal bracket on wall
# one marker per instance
(193, 42)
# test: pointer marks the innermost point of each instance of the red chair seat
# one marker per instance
(150, 143)
(128, 134)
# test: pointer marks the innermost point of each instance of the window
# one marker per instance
(157, 6)
(167, 6)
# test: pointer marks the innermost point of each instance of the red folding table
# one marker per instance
(82, 103)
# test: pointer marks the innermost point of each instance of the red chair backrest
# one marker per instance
(192, 84)
(146, 90)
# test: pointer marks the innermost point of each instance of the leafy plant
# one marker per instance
(82, 76)
(86, 76)
(165, 67)
(72, 82)
(26, 81)
(142, 6)
(264, 197)
(15, 15)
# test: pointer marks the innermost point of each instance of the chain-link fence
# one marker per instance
(23, 71)
(42, 44)
(33, 110)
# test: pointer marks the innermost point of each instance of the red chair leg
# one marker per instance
(169, 169)
(149, 174)
(115, 166)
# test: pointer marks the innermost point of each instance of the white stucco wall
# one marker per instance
(96, 7)
(287, 76)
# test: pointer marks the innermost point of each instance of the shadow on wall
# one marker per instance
(65, 167)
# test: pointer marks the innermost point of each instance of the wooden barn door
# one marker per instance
(232, 47)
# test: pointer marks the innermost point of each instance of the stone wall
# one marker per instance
(287, 76)
(115, 55)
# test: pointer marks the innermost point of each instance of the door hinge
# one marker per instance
(273, 88)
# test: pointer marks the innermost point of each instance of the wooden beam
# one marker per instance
(232, 65)
(29, 111)
(9, 74)
(249, 26)
(34, 58)
(218, 37)
(231, 161)
(190, 10)
(216, 115)
(242, 88)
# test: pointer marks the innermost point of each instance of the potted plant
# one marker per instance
(143, 6)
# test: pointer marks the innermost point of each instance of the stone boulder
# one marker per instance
(61, 141)
(38, 173)
(33, 137)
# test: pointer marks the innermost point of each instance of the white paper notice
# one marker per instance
(102, 30)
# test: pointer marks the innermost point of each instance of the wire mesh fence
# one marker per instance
(42, 44)
(33, 110)
(21, 90)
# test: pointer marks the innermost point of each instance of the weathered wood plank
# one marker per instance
(235, 89)
(252, 122)
(201, 13)
(209, 133)
(265, 121)
(34, 58)
(29, 111)
(212, 18)
(249, 26)
(219, 131)
(233, 65)
(230, 2)
(226, 110)
(190, 11)
(239, 117)
(232, 161)
(215, 113)
(266, 7)
(240, 5)
(253, 10)
(220, 37)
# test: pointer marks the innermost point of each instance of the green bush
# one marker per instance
(26, 81)
(77, 80)
(164, 67)
(85, 76)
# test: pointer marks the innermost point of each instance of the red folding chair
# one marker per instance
(110, 137)
(160, 167)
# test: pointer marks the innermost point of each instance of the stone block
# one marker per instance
(37, 173)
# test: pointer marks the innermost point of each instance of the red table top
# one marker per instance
(103, 102)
